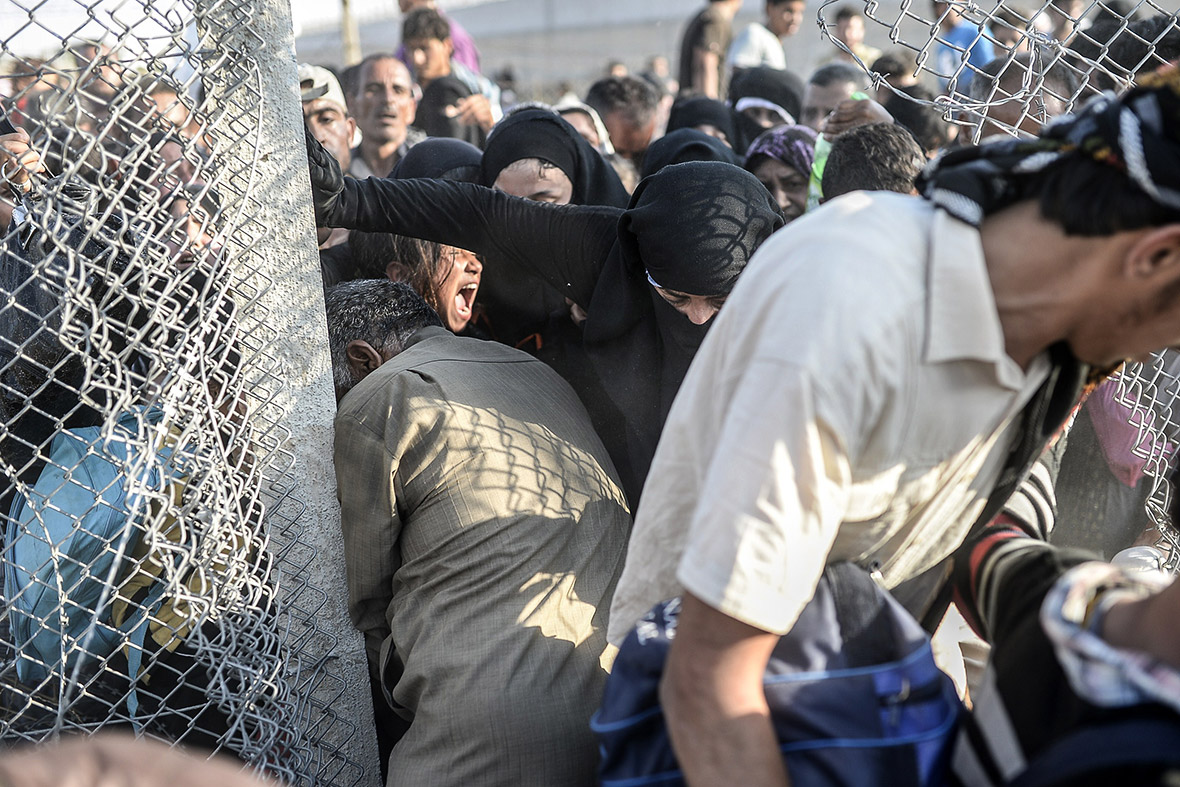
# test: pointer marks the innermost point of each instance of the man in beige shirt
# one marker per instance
(860, 391)
(484, 532)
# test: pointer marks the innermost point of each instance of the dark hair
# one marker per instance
(350, 81)
(1090, 47)
(838, 73)
(425, 23)
(371, 253)
(1145, 44)
(899, 62)
(924, 121)
(875, 157)
(632, 96)
(1116, 10)
(1090, 199)
(847, 12)
(378, 311)
(418, 263)
(356, 80)
(374, 252)
(1004, 77)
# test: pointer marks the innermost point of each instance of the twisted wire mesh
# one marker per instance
(1047, 56)
(1150, 393)
(154, 549)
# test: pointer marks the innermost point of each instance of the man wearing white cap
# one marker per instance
(326, 112)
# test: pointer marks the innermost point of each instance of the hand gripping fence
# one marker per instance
(1000, 65)
(1148, 393)
(159, 543)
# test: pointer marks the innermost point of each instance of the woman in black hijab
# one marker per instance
(650, 278)
(707, 115)
(439, 157)
(538, 135)
(683, 145)
(538, 155)
(764, 98)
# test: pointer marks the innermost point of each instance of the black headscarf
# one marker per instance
(440, 157)
(1138, 134)
(783, 89)
(545, 135)
(691, 228)
(683, 145)
(700, 111)
(434, 111)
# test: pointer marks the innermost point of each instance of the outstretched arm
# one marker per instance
(564, 245)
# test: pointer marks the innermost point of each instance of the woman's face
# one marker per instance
(456, 288)
(699, 309)
(765, 117)
(787, 185)
(584, 125)
(535, 180)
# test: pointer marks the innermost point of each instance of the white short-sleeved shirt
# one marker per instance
(757, 46)
(853, 401)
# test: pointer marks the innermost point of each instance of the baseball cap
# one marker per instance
(318, 82)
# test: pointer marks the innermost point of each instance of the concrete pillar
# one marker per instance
(256, 131)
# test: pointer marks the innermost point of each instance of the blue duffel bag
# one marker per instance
(854, 694)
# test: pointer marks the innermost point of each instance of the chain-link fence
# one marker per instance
(159, 565)
(1149, 394)
(1008, 66)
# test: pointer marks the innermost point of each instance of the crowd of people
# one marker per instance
(706, 336)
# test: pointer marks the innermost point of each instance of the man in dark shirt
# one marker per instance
(702, 52)
(484, 529)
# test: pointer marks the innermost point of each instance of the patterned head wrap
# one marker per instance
(1137, 134)
(792, 145)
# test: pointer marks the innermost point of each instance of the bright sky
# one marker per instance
(316, 14)
(37, 27)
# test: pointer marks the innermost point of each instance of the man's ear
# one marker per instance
(1156, 253)
(362, 358)
(450, 47)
